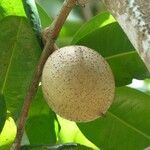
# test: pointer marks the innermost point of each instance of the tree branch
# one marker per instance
(53, 31)
(134, 18)
(50, 35)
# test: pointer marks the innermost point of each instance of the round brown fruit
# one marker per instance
(78, 83)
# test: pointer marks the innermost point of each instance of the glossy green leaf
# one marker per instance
(96, 22)
(112, 43)
(19, 53)
(41, 123)
(56, 147)
(126, 126)
(127, 66)
(8, 8)
(2, 112)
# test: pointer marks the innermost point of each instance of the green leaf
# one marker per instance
(33, 16)
(96, 22)
(69, 132)
(56, 147)
(45, 19)
(42, 122)
(127, 66)
(67, 32)
(126, 125)
(107, 37)
(8, 8)
(3, 111)
(19, 53)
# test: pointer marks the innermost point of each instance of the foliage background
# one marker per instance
(126, 125)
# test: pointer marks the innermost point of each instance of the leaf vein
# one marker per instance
(11, 58)
(130, 126)
(121, 54)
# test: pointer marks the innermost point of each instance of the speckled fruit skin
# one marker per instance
(78, 83)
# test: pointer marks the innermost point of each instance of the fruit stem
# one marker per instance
(49, 35)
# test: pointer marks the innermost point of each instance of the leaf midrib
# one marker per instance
(121, 54)
(129, 126)
(11, 58)
(116, 117)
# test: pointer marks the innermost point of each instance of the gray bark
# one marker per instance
(134, 17)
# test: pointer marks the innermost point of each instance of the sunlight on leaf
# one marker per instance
(96, 22)
(8, 8)
(70, 133)
(8, 134)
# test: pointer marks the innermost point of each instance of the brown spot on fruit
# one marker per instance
(78, 83)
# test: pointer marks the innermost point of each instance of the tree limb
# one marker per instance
(134, 18)
(50, 35)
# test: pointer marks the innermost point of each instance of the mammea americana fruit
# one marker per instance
(78, 83)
